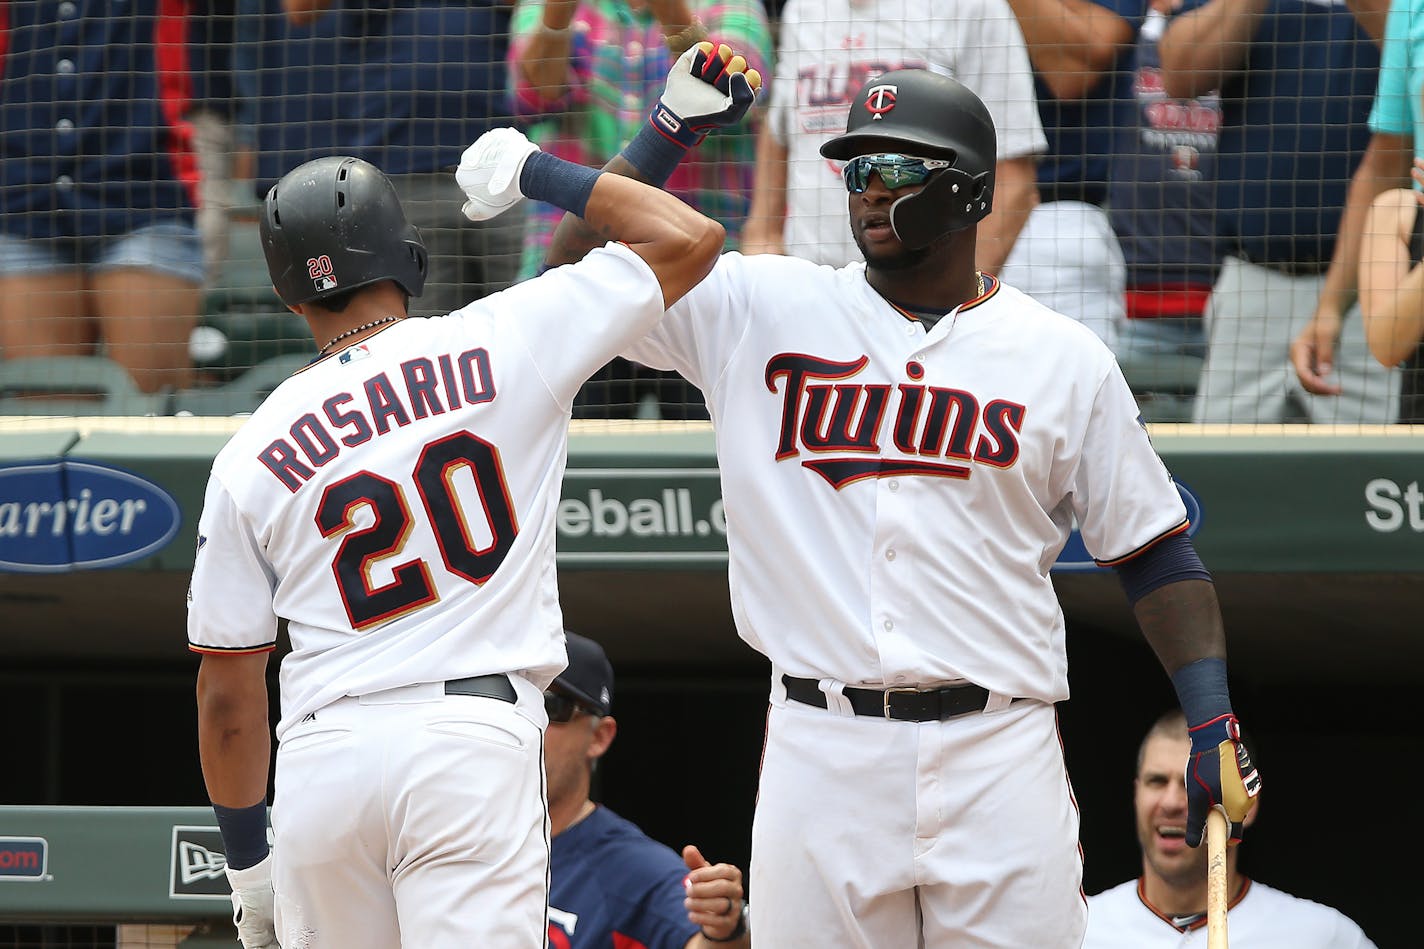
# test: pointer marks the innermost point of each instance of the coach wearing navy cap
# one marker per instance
(610, 883)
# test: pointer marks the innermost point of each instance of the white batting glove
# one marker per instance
(252, 905)
(489, 172)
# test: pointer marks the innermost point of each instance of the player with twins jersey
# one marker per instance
(394, 503)
(1165, 908)
(826, 50)
(904, 447)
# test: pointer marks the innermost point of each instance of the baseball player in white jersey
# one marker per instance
(1165, 908)
(904, 447)
(394, 503)
(826, 50)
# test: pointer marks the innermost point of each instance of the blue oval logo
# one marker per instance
(1074, 557)
(61, 516)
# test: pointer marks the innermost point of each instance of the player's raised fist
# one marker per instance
(708, 87)
(489, 172)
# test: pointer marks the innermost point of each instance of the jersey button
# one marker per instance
(889, 626)
(893, 485)
(890, 554)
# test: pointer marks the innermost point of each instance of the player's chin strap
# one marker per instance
(950, 201)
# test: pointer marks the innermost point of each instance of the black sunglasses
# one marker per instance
(561, 708)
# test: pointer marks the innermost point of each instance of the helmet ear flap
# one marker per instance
(950, 201)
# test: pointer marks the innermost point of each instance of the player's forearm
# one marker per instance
(1200, 50)
(1015, 196)
(234, 734)
(1071, 43)
(574, 237)
(1181, 621)
(677, 243)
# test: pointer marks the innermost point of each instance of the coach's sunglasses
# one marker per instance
(896, 171)
(561, 708)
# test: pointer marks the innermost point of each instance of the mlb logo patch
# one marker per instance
(352, 354)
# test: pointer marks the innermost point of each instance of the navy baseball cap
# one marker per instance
(589, 676)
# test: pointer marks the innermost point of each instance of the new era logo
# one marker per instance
(199, 866)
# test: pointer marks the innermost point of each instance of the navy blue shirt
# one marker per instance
(407, 85)
(1293, 131)
(91, 98)
(1162, 198)
(1083, 132)
(613, 887)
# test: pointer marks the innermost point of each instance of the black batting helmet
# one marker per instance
(928, 115)
(334, 224)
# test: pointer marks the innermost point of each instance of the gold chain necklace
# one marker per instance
(354, 330)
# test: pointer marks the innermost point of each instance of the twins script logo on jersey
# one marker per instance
(880, 100)
(322, 274)
(822, 413)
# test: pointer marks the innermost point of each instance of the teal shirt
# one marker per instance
(1398, 107)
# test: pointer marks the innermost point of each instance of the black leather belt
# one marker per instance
(902, 705)
(496, 686)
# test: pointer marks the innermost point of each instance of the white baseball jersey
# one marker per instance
(395, 500)
(895, 498)
(1261, 918)
(827, 49)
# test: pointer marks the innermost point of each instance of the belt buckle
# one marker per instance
(885, 705)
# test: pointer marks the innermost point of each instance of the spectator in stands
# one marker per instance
(1392, 289)
(99, 252)
(222, 115)
(609, 883)
(826, 50)
(1161, 194)
(1295, 78)
(1067, 256)
(1383, 170)
(584, 75)
(406, 86)
(1167, 903)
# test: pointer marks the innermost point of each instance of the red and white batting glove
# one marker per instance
(1219, 775)
(489, 172)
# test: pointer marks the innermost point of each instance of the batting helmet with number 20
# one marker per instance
(334, 224)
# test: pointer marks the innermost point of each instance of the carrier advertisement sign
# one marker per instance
(64, 516)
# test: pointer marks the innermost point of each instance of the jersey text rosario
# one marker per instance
(424, 388)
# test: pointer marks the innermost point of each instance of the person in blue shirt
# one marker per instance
(1378, 184)
(405, 86)
(610, 885)
(1067, 256)
(1296, 79)
(99, 249)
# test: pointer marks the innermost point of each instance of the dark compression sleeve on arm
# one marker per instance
(1167, 561)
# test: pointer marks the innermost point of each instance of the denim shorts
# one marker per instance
(168, 247)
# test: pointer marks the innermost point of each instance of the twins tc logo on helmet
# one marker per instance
(322, 274)
(880, 100)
